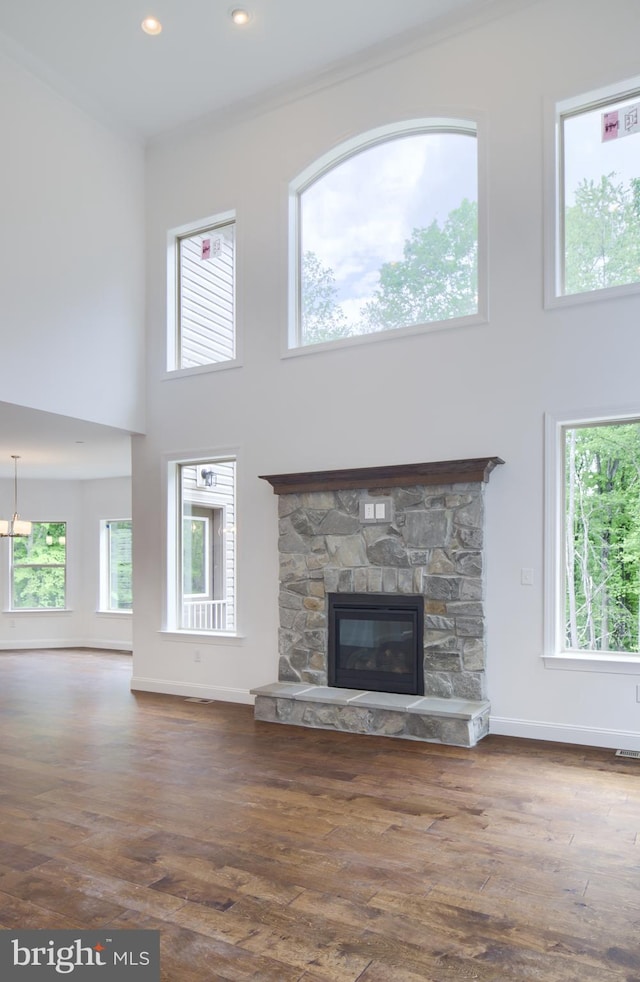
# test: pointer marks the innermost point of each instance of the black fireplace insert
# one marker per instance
(376, 642)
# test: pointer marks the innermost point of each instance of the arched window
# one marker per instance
(386, 233)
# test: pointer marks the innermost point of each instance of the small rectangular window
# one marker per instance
(204, 316)
(38, 568)
(598, 222)
(196, 550)
(117, 572)
(206, 546)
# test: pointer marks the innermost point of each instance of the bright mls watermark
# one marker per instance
(83, 956)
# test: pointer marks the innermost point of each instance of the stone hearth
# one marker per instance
(430, 542)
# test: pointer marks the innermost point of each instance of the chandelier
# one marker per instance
(17, 526)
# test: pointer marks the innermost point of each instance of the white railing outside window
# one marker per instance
(204, 615)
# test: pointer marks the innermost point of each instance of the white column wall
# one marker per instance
(71, 259)
(104, 499)
(454, 393)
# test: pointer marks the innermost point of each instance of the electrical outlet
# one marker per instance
(526, 576)
(196, 655)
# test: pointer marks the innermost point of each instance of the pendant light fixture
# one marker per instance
(16, 526)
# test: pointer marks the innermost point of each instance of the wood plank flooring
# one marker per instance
(287, 855)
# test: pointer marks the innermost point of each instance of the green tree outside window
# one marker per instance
(119, 542)
(39, 568)
(602, 537)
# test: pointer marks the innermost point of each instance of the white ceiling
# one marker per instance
(58, 447)
(97, 56)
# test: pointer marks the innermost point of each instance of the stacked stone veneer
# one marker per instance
(432, 546)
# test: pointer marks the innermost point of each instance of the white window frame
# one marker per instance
(555, 653)
(105, 569)
(470, 124)
(555, 112)
(173, 341)
(172, 546)
(64, 566)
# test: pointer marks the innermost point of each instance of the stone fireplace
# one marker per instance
(376, 535)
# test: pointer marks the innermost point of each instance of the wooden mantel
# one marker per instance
(393, 476)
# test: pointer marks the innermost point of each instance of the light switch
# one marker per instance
(376, 510)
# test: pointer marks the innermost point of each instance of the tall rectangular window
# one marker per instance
(38, 568)
(598, 221)
(116, 588)
(600, 546)
(202, 291)
(206, 546)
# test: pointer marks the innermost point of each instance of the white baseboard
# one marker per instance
(589, 736)
(194, 690)
(34, 644)
(107, 645)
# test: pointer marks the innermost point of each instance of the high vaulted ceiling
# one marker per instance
(202, 64)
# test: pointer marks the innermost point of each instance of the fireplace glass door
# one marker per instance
(376, 642)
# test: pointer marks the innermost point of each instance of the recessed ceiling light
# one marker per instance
(150, 25)
(240, 16)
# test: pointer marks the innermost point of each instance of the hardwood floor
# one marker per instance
(287, 855)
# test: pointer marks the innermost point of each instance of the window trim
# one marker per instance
(105, 570)
(12, 609)
(465, 123)
(555, 655)
(172, 368)
(554, 113)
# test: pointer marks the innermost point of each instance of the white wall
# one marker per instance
(81, 504)
(450, 394)
(71, 259)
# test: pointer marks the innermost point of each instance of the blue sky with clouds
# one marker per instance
(587, 156)
(358, 215)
